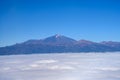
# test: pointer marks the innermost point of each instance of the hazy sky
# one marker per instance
(95, 20)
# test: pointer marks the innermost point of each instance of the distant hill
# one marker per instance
(59, 44)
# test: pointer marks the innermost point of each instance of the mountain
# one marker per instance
(59, 39)
(59, 44)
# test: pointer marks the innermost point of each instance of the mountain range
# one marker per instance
(59, 44)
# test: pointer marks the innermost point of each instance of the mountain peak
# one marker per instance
(57, 35)
(59, 39)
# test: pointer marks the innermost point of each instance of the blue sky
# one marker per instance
(95, 20)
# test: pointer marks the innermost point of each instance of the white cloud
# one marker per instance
(6, 68)
(13, 62)
(25, 68)
(49, 67)
(109, 69)
(46, 61)
(60, 67)
(34, 65)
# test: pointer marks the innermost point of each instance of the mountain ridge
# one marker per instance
(59, 44)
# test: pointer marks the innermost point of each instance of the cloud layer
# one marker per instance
(89, 66)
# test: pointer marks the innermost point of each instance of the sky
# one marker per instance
(94, 20)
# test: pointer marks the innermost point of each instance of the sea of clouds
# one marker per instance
(63, 66)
